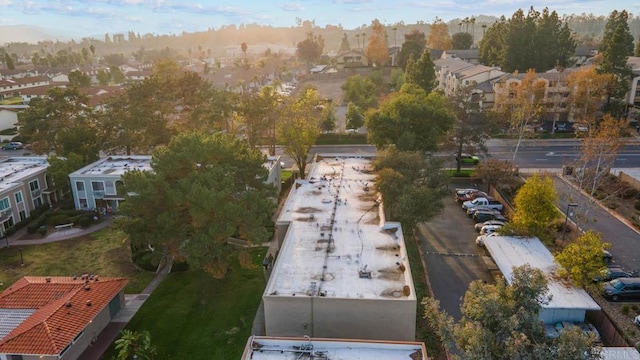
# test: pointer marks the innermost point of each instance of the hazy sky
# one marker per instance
(80, 18)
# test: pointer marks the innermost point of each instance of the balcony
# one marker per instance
(98, 194)
(35, 193)
(5, 214)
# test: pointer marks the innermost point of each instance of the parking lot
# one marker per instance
(452, 257)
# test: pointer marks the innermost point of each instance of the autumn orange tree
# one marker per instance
(587, 89)
(377, 49)
(520, 101)
(439, 37)
(599, 152)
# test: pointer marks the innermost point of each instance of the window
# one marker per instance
(34, 185)
(37, 202)
(18, 196)
(80, 185)
(4, 204)
(97, 185)
(83, 203)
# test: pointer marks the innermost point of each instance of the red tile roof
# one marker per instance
(64, 307)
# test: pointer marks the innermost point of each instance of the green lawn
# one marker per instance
(16, 100)
(103, 253)
(341, 139)
(191, 315)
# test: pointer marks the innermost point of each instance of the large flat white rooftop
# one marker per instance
(269, 348)
(14, 170)
(115, 166)
(509, 252)
(337, 243)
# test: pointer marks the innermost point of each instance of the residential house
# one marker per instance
(23, 187)
(342, 270)
(96, 185)
(454, 73)
(274, 348)
(469, 55)
(567, 302)
(633, 96)
(351, 59)
(138, 75)
(99, 184)
(23, 87)
(56, 318)
(8, 117)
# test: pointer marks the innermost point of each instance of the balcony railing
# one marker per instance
(98, 194)
(35, 193)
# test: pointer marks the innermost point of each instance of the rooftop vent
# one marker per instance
(68, 304)
(364, 273)
(88, 302)
(47, 279)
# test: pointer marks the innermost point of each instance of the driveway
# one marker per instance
(453, 260)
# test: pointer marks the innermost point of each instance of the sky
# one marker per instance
(82, 18)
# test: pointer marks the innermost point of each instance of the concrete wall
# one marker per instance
(606, 328)
(375, 319)
(635, 183)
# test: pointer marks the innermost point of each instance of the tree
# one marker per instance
(78, 79)
(498, 173)
(636, 49)
(60, 168)
(411, 120)
(421, 72)
(411, 185)
(581, 260)
(310, 49)
(103, 77)
(133, 344)
(378, 49)
(361, 91)
(354, 116)
(492, 46)
(470, 129)
(259, 112)
(116, 74)
(599, 152)
(502, 322)
(589, 89)
(461, 41)
(616, 45)
(438, 37)
(521, 103)
(344, 44)
(243, 47)
(535, 207)
(62, 122)
(8, 61)
(414, 44)
(204, 188)
(299, 127)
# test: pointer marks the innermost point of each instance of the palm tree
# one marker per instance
(136, 345)
(243, 47)
(364, 36)
(358, 38)
(473, 30)
(394, 36)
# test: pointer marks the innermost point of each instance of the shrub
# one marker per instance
(636, 205)
(145, 260)
(58, 219)
(626, 309)
(85, 221)
(66, 204)
(181, 265)
(629, 193)
(35, 224)
(42, 230)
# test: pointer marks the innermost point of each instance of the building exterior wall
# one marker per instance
(104, 185)
(371, 319)
(90, 333)
(552, 315)
(8, 119)
(30, 200)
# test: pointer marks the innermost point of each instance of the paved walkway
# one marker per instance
(133, 302)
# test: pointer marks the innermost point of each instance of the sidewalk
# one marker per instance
(72, 233)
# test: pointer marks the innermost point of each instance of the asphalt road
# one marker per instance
(541, 153)
(453, 260)
(588, 215)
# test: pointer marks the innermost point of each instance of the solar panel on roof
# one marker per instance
(11, 319)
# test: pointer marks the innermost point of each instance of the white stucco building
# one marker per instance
(567, 303)
(342, 270)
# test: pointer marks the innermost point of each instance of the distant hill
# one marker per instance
(24, 33)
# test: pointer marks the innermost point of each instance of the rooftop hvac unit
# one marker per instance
(364, 273)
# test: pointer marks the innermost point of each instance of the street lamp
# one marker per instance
(21, 258)
(566, 219)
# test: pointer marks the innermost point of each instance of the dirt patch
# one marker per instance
(328, 88)
(307, 210)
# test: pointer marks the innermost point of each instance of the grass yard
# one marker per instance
(191, 315)
(102, 253)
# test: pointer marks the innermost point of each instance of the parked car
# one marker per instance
(482, 201)
(622, 288)
(14, 145)
(479, 225)
(463, 195)
(482, 238)
(482, 216)
(637, 321)
(468, 159)
(611, 273)
(489, 229)
(606, 256)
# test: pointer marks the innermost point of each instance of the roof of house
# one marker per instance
(24, 80)
(475, 70)
(114, 166)
(274, 348)
(452, 64)
(51, 311)
(464, 53)
(338, 244)
(509, 252)
(14, 170)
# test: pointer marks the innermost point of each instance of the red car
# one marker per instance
(463, 195)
